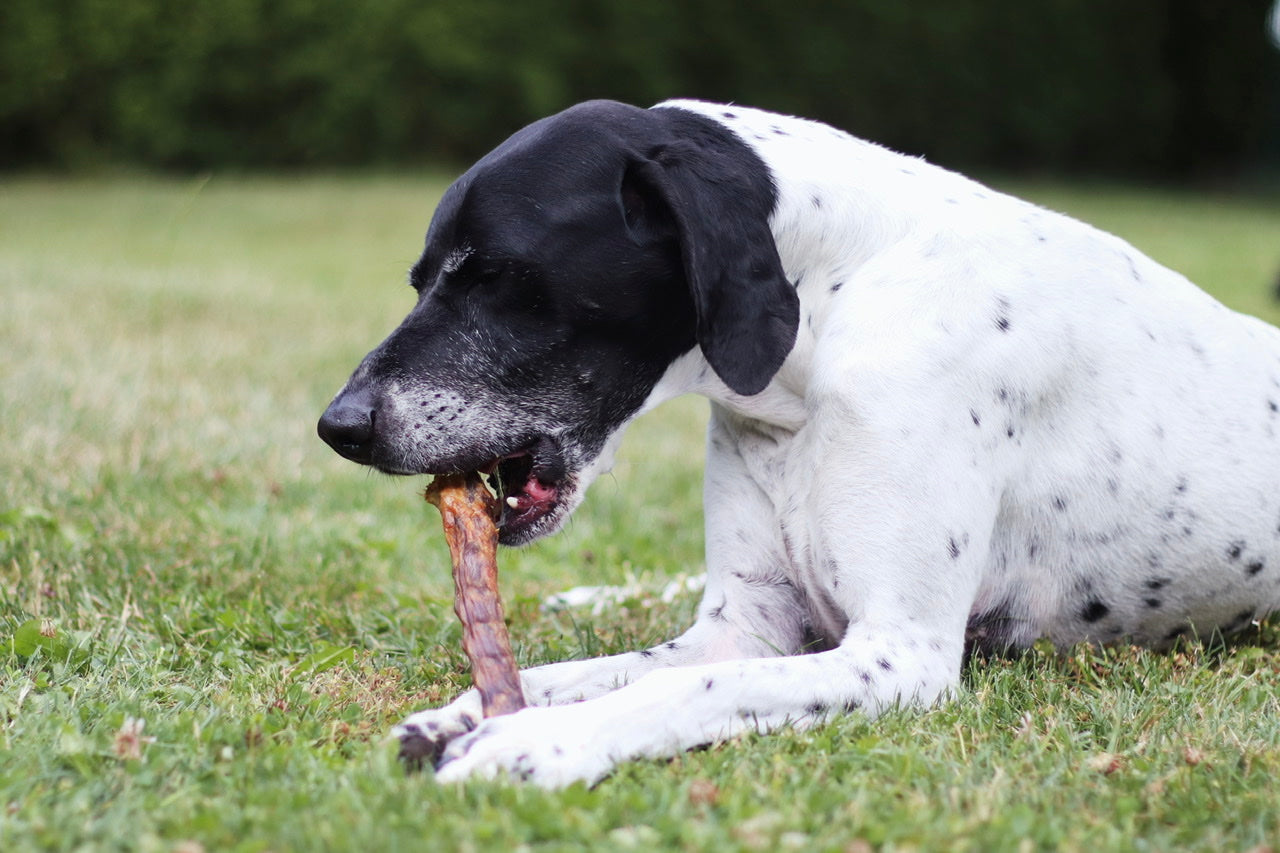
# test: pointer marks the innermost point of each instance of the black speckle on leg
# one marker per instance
(817, 709)
(1094, 610)
(1002, 323)
(1239, 621)
(864, 676)
(1157, 583)
(973, 415)
(1235, 549)
(1255, 567)
(851, 705)
(835, 288)
(706, 685)
(1153, 603)
(884, 664)
(1059, 503)
(953, 548)
(646, 653)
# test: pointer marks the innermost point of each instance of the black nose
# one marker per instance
(347, 427)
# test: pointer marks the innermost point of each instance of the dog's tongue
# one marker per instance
(534, 498)
(538, 491)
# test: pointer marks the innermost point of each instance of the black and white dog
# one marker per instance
(943, 420)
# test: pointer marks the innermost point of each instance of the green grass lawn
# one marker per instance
(208, 621)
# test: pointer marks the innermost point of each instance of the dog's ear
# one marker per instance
(747, 312)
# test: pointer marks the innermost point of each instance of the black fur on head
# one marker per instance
(562, 276)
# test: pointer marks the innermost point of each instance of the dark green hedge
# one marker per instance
(1161, 86)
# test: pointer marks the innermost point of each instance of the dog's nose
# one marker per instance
(347, 427)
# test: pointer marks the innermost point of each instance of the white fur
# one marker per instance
(999, 408)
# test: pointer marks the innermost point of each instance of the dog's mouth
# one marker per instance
(529, 485)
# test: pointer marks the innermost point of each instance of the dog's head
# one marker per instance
(563, 274)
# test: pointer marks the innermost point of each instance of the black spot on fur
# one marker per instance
(835, 288)
(1235, 549)
(864, 676)
(884, 664)
(1157, 583)
(973, 415)
(1239, 621)
(953, 548)
(990, 633)
(1002, 323)
(1153, 603)
(851, 705)
(646, 653)
(1180, 631)
(1059, 503)
(673, 645)
(1094, 610)
(706, 685)
(1271, 404)
(1255, 567)
(729, 115)
(817, 709)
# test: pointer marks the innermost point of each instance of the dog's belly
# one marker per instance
(1152, 510)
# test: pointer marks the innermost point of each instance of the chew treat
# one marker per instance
(468, 510)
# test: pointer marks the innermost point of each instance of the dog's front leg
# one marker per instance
(749, 610)
(717, 635)
(671, 710)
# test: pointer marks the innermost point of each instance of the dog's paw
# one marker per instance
(538, 745)
(423, 736)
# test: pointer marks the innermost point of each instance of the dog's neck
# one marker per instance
(841, 201)
(780, 406)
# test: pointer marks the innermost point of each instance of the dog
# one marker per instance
(944, 421)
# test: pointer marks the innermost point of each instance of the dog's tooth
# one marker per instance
(513, 502)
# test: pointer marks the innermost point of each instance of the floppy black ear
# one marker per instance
(720, 199)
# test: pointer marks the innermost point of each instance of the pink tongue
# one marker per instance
(538, 492)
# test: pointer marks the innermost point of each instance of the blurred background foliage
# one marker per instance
(1161, 88)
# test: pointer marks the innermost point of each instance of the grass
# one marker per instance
(177, 548)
